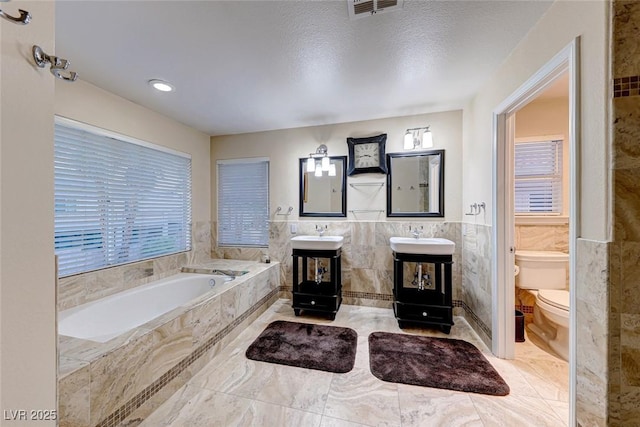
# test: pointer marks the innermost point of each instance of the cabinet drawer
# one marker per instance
(424, 313)
(315, 302)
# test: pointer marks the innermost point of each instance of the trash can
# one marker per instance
(519, 326)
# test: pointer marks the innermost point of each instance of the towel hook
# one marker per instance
(58, 65)
(24, 19)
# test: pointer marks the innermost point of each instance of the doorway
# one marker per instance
(503, 258)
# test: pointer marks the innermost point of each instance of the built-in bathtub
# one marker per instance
(119, 352)
(114, 315)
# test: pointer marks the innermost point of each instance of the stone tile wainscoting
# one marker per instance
(592, 332)
(105, 383)
(367, 261)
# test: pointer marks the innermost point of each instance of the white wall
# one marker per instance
(27, 268)
(285, 147)
(564, 21)
(86, 103)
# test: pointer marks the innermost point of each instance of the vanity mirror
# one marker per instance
(322, 193)
(415, 184)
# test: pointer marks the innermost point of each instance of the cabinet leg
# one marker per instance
(332, 316)
(446, 329)
(296, 311)
(401, 324)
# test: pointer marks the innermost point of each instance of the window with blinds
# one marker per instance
(538, 177)
(117, 200)
(243, 202)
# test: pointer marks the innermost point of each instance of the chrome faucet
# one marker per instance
(416, 232)
(227, 273)
(321, 230)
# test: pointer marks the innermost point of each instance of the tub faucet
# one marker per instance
(321, 230)
(224, 273)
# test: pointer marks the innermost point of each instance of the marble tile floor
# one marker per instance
(234, 391)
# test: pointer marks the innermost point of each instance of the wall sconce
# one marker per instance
(320, 166)
(418, 137)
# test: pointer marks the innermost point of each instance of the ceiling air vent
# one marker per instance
(362, 8)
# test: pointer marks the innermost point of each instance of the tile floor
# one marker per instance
(234, 391)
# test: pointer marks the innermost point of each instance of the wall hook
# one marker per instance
(24, 19)
(58, 65)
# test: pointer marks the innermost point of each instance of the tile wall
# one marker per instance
(476, 277)
(624, 309)
(542, 237)
(367, 261)
(593, 335)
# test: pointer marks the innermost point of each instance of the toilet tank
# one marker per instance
(542, 269)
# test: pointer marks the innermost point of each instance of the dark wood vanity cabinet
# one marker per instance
(431, 305)
(322, 295)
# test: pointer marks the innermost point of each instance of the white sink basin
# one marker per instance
(423, 245)
(324, 243)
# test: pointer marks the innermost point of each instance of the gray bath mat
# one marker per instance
(305, 345)
(433, 362)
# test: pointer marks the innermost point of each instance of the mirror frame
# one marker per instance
(440, 212)
(344, 190)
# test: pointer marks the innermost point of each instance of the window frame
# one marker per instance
(221, 242)
(112, 249)
(559, 215)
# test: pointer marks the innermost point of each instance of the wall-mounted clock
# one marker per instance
(366, 155)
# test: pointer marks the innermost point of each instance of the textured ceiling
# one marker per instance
(245, 66)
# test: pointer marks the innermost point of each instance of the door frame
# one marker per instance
(503, 256)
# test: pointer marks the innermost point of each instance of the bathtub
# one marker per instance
(111, 316)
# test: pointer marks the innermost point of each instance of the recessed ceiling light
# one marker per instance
(161, 85)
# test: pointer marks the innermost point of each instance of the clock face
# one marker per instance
(366, 155)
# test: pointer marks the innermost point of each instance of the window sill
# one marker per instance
(542, 220)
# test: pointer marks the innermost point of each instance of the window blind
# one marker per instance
(538, 177)
(117, 201)
(243, 203)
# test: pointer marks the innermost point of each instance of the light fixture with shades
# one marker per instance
(320, 162)
(418, 138)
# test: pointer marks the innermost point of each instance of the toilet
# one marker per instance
(544, 274)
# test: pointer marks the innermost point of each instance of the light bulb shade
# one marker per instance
(408, 141)
(311, 164)
(318, 172)
(325, 163)
(332, 169)
(427, 139)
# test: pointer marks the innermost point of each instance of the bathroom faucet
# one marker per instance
(224, 273)
(321, 230)
(416, 232)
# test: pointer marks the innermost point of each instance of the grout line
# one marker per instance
(137, 401)
(147, 393)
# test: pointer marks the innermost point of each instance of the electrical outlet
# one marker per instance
(294, 228)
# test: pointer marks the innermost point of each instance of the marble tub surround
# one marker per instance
(232, 390)
(127, 370)
(82, 288)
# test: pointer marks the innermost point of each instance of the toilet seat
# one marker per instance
(556, 298)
